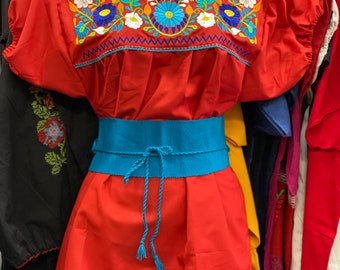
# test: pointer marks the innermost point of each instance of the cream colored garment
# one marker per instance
(300, 199)
(333, 25)
(334, 259)
(236, 138)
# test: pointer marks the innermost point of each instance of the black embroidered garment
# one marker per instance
(41, 171)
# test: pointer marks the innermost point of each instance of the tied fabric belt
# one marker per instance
(162, 149)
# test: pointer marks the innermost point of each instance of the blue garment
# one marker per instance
(273, 116)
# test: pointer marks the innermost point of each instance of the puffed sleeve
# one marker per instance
(38, 52)
(287, 48)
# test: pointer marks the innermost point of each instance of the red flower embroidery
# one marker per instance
(52, 133)
(48, 101)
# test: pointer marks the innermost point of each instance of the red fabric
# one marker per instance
(282, 228)
(322, 130)
(293, 152)
(284, 37)
(277, 242)
(319, 33)
(208, 230)
(288, 234)
(206, 214)
(287, 48)
(322, 206)
(269, 261)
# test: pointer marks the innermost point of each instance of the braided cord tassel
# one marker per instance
(158, 263)
(161, 151)
(141, 252)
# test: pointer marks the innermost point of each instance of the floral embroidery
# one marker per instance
(248, 3)
(206, 19)
(50, 129)
(280, 201)
(133, 20)
(82, 3)
(104, 14)
(166, 18)
(168, 14)
(230, 14)
(52, 134)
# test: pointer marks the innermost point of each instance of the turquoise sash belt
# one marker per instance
(163, 149)
(188, 147)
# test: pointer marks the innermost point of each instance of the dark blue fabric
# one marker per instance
(273, 116)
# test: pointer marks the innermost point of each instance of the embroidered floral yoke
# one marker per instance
(150, 60)
(165, 18)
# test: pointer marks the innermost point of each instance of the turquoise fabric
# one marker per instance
(172, 148)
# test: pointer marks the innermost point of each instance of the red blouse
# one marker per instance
(138, 59)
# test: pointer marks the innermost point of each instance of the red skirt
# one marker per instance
(203, 224)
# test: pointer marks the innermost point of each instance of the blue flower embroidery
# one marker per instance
(230, 14)
(168, 18)
(250, 30)
(104, 14)
(81, 30)
(169, 14)
(53, 133)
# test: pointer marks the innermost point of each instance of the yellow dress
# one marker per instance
(236, 138)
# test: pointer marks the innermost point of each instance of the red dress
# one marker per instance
(322, 203)
(159, 60)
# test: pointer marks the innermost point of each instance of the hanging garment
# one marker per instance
(323, 60)
(280, 226)
(300, 200)
(282, 193)
(273, 116)
(319, 35)
(279, 244)
(332, 27)
(334, 258)
(278, 68)
(276, 198)
(322, 205)
(139, 62)
(262, 117)
(236, 139)
(260, 155)
(41, 171)
(44, 261)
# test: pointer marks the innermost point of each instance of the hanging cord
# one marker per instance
(158, 263)
(161, 151)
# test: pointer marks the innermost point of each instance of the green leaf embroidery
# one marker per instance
(45, 113)
(55, 161)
